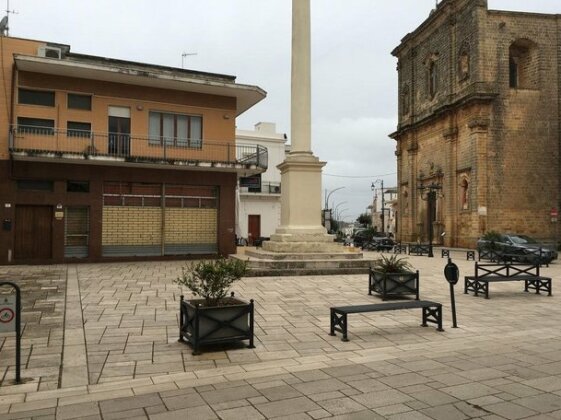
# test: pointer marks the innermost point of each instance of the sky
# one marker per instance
(354, 78)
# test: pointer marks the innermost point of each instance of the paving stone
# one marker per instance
(128, 403)
(229, 394)
(381, 398)
(200, 413)
(341, 405)
(287, 407)
(510, 410)
(75, 411)
(280, 393)
(247, 413)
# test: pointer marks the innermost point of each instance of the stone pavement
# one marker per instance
(504, 362)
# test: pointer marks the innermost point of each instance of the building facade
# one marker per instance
(479, 126)
(104, 159)
(259, 208)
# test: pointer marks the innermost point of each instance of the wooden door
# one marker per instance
(253, 227)
(33, 232)
(119, 136)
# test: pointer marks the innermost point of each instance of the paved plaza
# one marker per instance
(100, 342)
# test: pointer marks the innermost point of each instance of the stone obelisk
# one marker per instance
(301, 230)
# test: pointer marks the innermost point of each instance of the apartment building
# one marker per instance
(259, 208)
(106, 159)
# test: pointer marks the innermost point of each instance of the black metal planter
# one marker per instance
(393, 284)
(200, 325)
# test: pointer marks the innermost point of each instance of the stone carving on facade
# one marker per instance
(464, 62)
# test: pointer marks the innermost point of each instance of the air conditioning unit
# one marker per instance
(49, 52)
(244, 189)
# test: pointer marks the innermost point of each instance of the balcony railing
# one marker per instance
(76, 144)
(264, 188)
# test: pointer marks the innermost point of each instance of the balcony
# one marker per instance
(50, 144)
(267, 188)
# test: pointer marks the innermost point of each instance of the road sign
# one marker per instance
(10, 319)
(7, 313)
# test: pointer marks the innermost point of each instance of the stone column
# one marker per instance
(301, 229)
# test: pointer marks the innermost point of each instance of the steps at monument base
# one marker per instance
(343, 255)
(301, 267)
(271, 272)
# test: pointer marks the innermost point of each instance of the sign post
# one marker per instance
(452, 274)
(10, 320)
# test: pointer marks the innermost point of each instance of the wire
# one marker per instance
(361, 176)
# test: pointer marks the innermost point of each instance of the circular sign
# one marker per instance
(451, 272)
(6, 315)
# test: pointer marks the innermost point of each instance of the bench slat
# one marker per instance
(390, 306)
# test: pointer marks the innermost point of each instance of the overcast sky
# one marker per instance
(354, 81)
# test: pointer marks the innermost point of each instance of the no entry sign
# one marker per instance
(7, 313)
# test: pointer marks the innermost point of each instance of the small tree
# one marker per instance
(364, 219)
(212, 279)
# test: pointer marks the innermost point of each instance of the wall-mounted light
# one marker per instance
(227, 116)
(139, 108)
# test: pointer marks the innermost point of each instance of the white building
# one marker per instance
(387, 207)
(258, 201)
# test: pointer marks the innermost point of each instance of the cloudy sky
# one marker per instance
(354, 81)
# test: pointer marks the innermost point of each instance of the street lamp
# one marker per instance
(337, 206)
(373, 187)
(428, 194)
(329, 195)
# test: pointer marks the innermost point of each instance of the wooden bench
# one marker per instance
(391, 284)
(432, 313)
(490, 273)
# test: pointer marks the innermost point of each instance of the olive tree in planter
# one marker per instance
(391, 276)
(214, 317)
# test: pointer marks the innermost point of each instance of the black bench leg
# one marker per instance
(332, 323)
(344, 327)
(486, 287)
(439, 316)
(526, 285)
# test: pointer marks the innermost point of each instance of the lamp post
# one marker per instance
(337, 206)
(329, 195)
(373, 187)
(428, 194)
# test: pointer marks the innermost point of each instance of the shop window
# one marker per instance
(34, 185)
(78, 186)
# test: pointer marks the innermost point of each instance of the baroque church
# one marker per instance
(479, 127)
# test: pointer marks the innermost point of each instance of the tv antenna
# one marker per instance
(183, 55)
(4, 28)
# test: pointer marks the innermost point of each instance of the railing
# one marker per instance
(264, 188)
(89, 145)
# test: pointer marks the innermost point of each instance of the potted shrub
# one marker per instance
(390, 276)
(213, 316)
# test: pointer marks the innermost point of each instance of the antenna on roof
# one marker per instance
(4, 29)
(183, 58)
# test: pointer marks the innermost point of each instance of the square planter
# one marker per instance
(392, 284)
(200, 325)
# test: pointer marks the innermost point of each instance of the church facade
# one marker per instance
(479, 126)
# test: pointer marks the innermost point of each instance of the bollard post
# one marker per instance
(10, 320)
(452, 274)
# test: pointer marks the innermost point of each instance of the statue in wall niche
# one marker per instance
(463, 63)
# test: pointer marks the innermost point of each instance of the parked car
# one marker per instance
(521, 248)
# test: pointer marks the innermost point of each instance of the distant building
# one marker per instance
(258, 207)
(384, 211)
(480, 120)
(104, 159)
